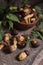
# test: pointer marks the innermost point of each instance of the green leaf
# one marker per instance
(36, 34)
(40, 19)
(1, 35)
(26, 2)
(41, 29)
(0, 25)
(12, 17)
(28, 41)
(10, 24)
(38, 9)
(41, 16)
(13, 8)
(41, 37)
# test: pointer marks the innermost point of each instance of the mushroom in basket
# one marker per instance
(28, 17)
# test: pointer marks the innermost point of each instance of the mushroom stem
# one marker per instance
(28, 16)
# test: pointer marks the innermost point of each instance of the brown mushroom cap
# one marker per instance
(21, 38)
(21, 42)
(7, 37)
(22, 56)
(34, 43)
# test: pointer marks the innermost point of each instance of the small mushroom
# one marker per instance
(21, 9)
(34, 43)
(14, 40)
(14, 46)
(21, 38)
(33, 19)
(34, 9)
(1, 46)
(27, 18)
(21, 42)
(27, 11)
(7, 37)
(22, 55)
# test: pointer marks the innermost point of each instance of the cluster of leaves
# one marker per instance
(39, 10)
(28, 40)
(37, 34)
(12, 18)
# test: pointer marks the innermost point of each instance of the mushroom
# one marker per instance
(23, 55)
(27, 11)
(14, 46)
(34, 43)
(21, 42)
(7, 37)
(34, 10)
(33, 19)
(1, 46)
(21, 9)
(26, 18)
(21, 38)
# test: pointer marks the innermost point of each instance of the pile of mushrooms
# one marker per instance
(27, 15)
(12, 42)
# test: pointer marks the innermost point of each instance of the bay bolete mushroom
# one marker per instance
(34, 43)
(23, 55)
(28, 18)
(14, 46)
(7, 37)
(21, 42)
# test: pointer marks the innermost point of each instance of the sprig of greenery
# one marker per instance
(40, 19)
(12, 17)
(1, 35)
(38, 9)
(28, 40)
(0, 25)
(13, 8)
(41, 30)
(10, 24)
(36, 34)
